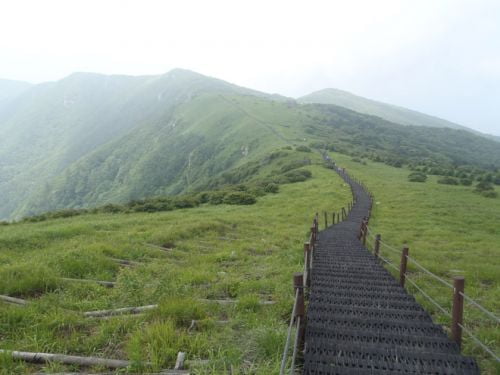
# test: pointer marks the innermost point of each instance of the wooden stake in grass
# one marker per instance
(108, 284)
(17, 301)
(125, 262)
(158, 247)
(179, 363)
(68, 359)
(121, 311)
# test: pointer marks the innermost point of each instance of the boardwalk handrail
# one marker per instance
(298, 317)
(289, 333)
(366, 229)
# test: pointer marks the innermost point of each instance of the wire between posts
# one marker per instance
(444, 282)
(472, 302)
(442, 309)
(295, 346)
(389, 263)
(287, 343)
(479, 342)
(429, 272)
(393, 249)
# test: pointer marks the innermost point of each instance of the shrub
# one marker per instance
(295, 165)
(484, 186)
(203, 197)
(217, 197)
(66, 213)
(297, 175)
(271, 188)
(238, 197)
(185, 202)
(303, 149)
(112, 208)
(466, 181)
(447, 181)
(489, 194)
(486, 189)
(417, 177)
(257, 191)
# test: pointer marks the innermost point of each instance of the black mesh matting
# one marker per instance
(360, 321)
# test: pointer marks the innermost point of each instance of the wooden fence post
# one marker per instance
(402, 267)
(361, 228)
(326, 220)
(333, 218)
(365, 231)
(313, 233)
(457, 310)
(377, 245)
(338, 217)
(307, 264)
(300, 311)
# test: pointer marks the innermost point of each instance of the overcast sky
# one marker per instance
(436, 56)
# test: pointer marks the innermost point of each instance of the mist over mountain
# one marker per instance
(386, 111)
(91, 139)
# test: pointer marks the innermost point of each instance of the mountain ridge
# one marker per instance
(390, 112)
(92, 139)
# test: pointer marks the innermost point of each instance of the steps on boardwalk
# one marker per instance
(361, 321)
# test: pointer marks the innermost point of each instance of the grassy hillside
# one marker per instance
(91, 139)
(450, 232)
(245, 253)
(389, 112)
(51, 126)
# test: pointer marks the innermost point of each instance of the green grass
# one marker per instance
(450, 231)
(246, 253)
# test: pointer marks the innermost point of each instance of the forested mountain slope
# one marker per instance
(386, 111)
(53, 125)
(92, 139)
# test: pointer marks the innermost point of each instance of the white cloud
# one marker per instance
(410, 53)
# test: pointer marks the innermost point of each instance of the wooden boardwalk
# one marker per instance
(360, 320)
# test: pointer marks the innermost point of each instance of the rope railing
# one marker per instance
(302, 282)
(389, 263)
(422, 268)
(441, 308)
(295, 347)
(479, 342)
(289, 334)
(476, 304)
(457, 313)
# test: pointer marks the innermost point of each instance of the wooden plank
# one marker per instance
(231, 301)
(158, 247)
(108, 284)
(17, 301)
(120, 311)
(125, 262)
(68, 359)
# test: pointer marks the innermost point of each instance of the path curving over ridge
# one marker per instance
(360, 320)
